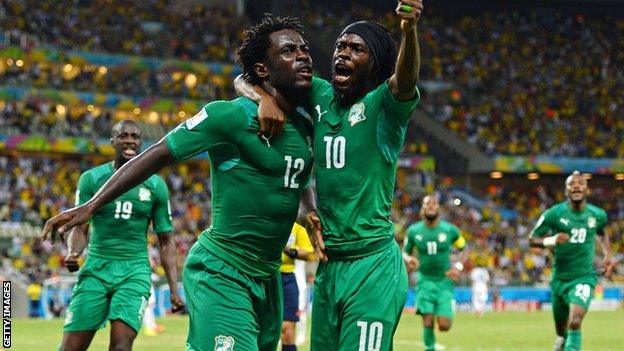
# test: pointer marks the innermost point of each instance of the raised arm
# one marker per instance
(403, 82)
(127, 177)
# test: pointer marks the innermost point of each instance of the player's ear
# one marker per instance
(261, 70)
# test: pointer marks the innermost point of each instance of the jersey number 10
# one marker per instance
(373, 332)
(335, 149)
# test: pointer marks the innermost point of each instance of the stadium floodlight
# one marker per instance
(496, 175)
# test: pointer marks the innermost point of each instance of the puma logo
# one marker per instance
(318, 110)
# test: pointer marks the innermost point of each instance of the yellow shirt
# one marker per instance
(299, 240)
(34, 291)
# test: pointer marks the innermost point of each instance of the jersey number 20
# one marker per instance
(578, 235)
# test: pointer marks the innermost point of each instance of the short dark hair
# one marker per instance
(256, 42)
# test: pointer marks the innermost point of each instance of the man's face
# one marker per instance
(289, 61)
(431, 207)
(576, 188)
(352, 65)
(126, 141)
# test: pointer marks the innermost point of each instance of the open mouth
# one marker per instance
(342, 73)
(305, 71)
(129, 152)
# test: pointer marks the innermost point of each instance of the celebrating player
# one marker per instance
(571, 229)
(231, 275)
(359, 128)
(433, 240)
(114, 284)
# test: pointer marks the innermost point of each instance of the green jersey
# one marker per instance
(356, 150)
(574, 258)
(119, 229)
(434, 246)
(256, 184)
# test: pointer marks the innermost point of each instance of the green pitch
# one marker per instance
(510, 331)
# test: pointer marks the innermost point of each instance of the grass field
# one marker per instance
(513, 331)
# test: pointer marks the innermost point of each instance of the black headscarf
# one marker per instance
(381, 44)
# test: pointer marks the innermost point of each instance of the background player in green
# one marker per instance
(571, 229)
(360, 121)
(231, 275)
(428, 247)
(114, 283)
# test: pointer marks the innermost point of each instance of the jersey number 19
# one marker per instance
(123, 209)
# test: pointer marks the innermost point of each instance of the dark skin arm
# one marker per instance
(127, 177)
(402, 83)
(267, 106)
(167, 250)
(76, 243)
(308, 218)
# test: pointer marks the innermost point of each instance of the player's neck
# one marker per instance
(286, 103)
(432, 223)
(118, 162)
(577, 205)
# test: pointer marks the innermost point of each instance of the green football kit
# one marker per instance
(114, 283)
(434, 246)
(360, 293)
(231, 275)
(574, 278)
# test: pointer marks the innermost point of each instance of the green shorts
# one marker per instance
(229, 310)
(109, 290)
(579, 291)
(358, 303)
(435, 297)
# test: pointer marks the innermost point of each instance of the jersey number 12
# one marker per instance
(297, 166)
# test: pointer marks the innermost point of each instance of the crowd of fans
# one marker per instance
(541, 83)
(517, 83)
(168, 80)
(146, 28)
(40, 116)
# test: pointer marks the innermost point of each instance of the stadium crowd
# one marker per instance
(146, 28)
(501, 80)
(41, 116)
(66, 74)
